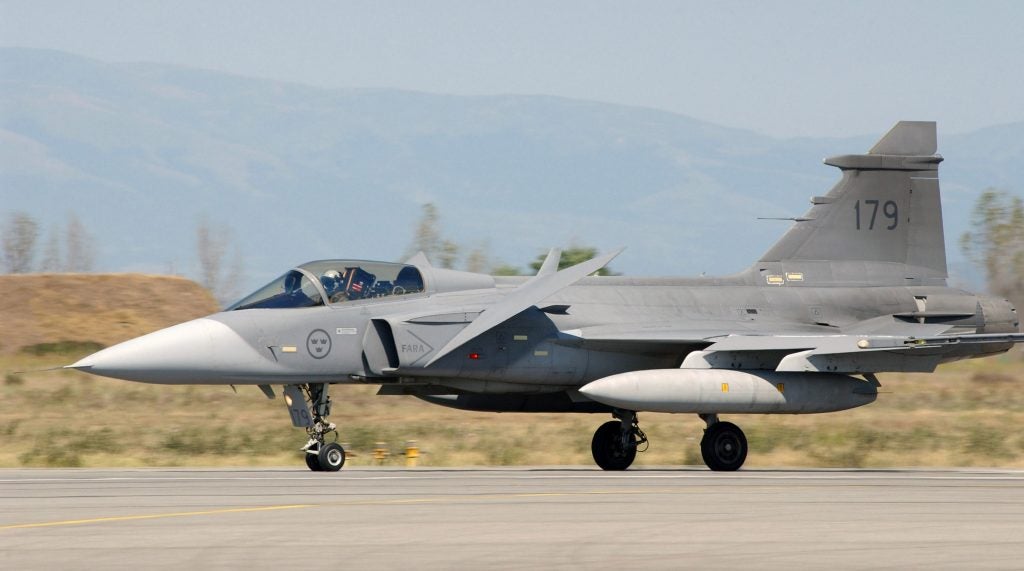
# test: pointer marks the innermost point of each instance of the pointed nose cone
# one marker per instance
(199, 351)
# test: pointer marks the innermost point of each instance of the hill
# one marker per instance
(89, 310)
(141, 151)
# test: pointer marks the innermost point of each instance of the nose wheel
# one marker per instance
(313, 461)
(326, 458)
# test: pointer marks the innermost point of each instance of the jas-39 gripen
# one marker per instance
(856, 286)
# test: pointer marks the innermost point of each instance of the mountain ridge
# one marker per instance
(142, 151)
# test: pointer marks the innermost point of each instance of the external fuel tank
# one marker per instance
(714, 391)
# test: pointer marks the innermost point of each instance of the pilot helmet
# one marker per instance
(330, 279)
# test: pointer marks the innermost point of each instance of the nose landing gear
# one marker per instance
(309, 406)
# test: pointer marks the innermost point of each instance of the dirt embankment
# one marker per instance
(93, 308)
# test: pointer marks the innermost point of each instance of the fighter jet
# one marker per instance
(856, 286)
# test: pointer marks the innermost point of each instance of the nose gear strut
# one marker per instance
(309, 406)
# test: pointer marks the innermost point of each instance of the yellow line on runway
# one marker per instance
(153, 516)
(490, 497)
(376, 502)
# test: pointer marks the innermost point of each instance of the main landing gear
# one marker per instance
(309, 406)
(615, 443)
(724, 447)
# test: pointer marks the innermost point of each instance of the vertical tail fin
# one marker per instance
(880, 224)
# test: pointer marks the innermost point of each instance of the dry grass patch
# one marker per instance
(69, 418)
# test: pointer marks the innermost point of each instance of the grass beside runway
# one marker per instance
(967, 414)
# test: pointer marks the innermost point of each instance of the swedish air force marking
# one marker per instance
(318, 344)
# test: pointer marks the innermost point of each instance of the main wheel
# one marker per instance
(331, 457)
(724, 447)
(608, 450)
(313, 462)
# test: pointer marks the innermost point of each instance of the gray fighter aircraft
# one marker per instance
(857, 286)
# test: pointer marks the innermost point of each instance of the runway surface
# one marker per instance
(511, 519)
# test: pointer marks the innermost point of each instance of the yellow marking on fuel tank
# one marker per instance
(795, 276)
(540, 353)
(775, 280)
(781, 387)
(520, 337)
(289, 349)
(725, 387)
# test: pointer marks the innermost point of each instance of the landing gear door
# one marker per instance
(297, 409)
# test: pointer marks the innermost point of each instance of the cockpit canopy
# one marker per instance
(333, 282)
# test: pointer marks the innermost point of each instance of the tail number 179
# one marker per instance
(867, 214)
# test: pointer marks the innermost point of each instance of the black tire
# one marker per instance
(331, 457)
(607, 447)
(313, 462)
(724, 447)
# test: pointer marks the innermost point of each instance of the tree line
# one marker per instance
(994, 243)
(448, 254)
(70, 249)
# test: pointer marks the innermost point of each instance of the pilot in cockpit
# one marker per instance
(334, 285)
(352, 284)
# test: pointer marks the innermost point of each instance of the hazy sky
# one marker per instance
(780, 68)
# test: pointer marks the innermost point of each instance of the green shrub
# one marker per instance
(53, 457)
(62, 348)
